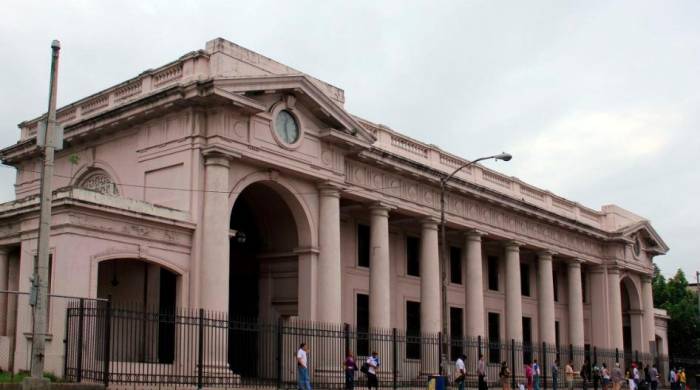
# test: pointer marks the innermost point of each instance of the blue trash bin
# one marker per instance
(437, 382)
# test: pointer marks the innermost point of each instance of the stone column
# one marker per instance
(214, 267)
(545, 297)
(600, 329)
(514, 304)
(380, 273)
(4, 273)
(474, 284)
(576, 325)
(429, 278)
(649, 341)
(615, 307)
(329, 269)
(430, 309)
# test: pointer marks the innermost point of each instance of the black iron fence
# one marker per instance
(198, 348)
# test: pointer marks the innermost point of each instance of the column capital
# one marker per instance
(512, 246)
(381, 209)
(474, 235)
(613, 269)
(430, 223)
(545, 254)
(328, 188)
(217, 160)
(597, 269)
(645, 278)
(574, 262)
(215, 155)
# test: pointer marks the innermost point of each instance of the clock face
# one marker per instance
(287, 127)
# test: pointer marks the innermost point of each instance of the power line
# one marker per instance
(182, 189)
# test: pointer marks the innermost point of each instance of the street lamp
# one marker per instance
(444, 254)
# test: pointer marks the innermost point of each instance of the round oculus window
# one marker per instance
(287, 127)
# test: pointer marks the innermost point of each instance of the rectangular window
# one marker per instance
(555, 284)
(362, 245)
(455, 265)
(494, 338)
(525, 279)
(584, 287)
(493, 273)
(362, 324)
(455, 332)
(527, 340)
(413, 330)
(412, 256)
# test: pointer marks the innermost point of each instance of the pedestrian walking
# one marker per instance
(654, 377)
(605, 376)
(617, 377)
(528, 376)
(555, 374)
(481, 373)
(585, 372)
(682, 384)
(460, 371)
(504, 375)
(570, 375)
(350, 368)
(303, 381)
(536, 374)
(373, 364)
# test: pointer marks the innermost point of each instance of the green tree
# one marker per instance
(681, 305)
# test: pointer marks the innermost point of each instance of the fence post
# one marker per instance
(512, 362)
(478, 346)
(65, 342)
(395, 356)
(440, 351)
(200, 349)
(81, 325)
(571, 352)
(280, 333)
(346, 334)
(617, 355)
(107, 340)
(544, 365)
(595, 355)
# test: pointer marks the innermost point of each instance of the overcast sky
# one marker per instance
(598, 101)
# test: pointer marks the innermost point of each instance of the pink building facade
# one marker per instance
(228, 181)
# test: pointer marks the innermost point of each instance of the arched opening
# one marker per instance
(264, 266)
(631, 318)
(140, 286)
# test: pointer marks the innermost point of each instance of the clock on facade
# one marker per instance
(287, 127)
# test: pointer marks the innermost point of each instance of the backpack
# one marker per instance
(364, 368)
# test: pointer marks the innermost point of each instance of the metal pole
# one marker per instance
(443, 277)
(200, 349)
(41, 269)
(443, 257)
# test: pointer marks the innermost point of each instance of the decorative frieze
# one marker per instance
(470, 209)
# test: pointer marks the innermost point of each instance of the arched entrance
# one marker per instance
(631, 318)
(140, 286)
(264, 265)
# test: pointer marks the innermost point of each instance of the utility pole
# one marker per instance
(52, 140)
(697, 286)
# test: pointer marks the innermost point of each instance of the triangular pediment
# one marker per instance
(643, 229)
(345, 128)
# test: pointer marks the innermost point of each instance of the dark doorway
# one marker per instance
(166, 311)
(527, 340)
(263, 238)
(456, 332)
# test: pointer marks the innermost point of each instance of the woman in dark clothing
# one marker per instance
(350, 368)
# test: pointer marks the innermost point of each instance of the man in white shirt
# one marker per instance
(302, 368)
(461, 371)
(373, 363)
